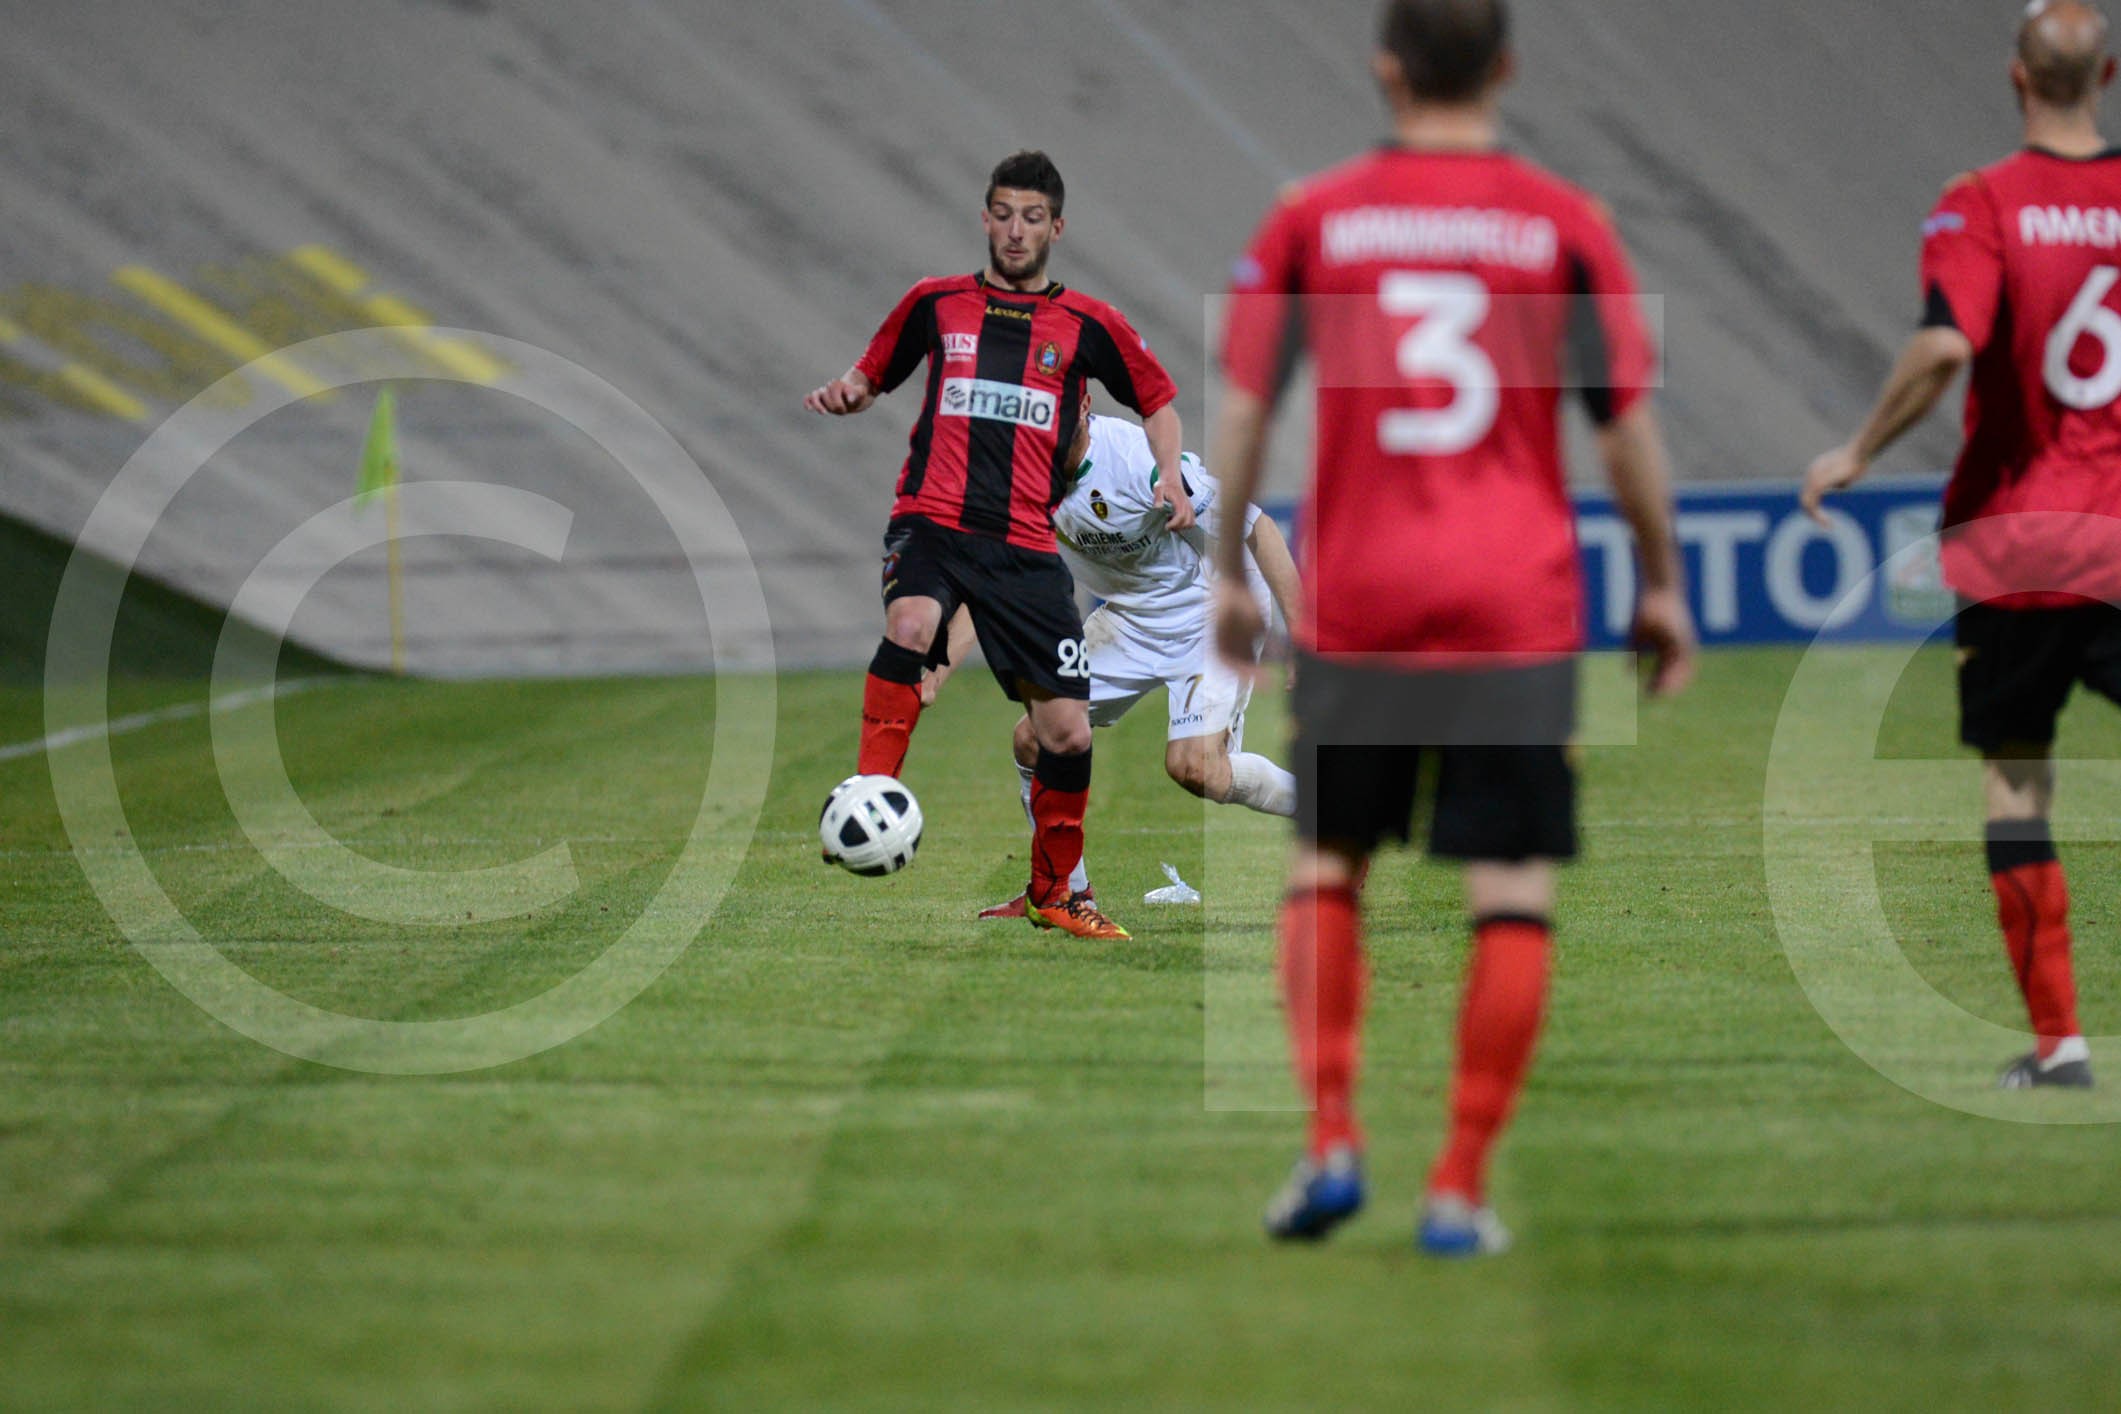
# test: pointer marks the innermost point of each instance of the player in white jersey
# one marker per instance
(1152, 630)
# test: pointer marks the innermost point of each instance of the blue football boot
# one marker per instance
(1318, 1197)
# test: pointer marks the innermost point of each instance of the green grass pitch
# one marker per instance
(854, 1150)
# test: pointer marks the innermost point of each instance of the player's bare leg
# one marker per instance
(1025, 748)
(1060, 797)
(1205, 766)
(1323, 980)
(2032, 905)
(891, 698)
(1512, 905)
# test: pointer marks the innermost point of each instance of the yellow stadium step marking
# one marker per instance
(412, 324)
(218, 329)
(91, 385)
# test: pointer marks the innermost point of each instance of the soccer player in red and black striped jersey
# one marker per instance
(1446, 293)
(1008, 352)
(2021, 262)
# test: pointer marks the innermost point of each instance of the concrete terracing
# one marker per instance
(710, 206)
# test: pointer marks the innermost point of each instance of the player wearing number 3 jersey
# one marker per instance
(2021, 266)
(1446, 292)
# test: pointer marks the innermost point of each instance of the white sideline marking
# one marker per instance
(138, 721)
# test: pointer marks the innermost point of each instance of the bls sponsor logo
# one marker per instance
(960, 348)
(999, 402)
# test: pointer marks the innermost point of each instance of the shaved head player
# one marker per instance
(1446, 292)
(2021, 268)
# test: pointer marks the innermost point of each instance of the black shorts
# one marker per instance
(1496, 741)
(2018, 666)
(1022, 602)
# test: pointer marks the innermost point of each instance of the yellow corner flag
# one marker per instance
(379, 477)
(379, 454)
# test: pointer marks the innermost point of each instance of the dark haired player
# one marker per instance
(2020, 264)
(1444, 290)
(1008, 352)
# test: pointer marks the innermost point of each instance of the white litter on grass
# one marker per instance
(1179, 892)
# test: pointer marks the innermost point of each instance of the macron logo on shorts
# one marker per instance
(999, 402)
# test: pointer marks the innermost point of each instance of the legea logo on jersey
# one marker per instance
(999, 402)
(960, 348)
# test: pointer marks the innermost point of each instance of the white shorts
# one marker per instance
(1205, 697)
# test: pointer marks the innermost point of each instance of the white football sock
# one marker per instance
(1259, 784)
(2069, 1048)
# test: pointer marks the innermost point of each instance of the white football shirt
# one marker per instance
(1114, 538)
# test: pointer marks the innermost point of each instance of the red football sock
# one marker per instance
(891, 704)
(2032, 905)
(1498, 1027)
(1060, 797)
(1322, 982)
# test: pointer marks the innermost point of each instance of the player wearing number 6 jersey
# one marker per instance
(2021, 266)
(1446, 292)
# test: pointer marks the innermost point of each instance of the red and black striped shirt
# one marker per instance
(1005, 386)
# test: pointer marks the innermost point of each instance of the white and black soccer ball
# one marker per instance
(870, 826)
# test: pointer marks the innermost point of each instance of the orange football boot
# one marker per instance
(1076, 914)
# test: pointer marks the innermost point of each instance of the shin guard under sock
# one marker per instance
(1498, 1028)
(1060, 797)
(1323, 980)
(891, 704)
(2032, 906)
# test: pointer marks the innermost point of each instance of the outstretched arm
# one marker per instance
(1633, 449)
(1166, 436)
(1239, 448)
(849, 393)
(1926, 369)
(1277, 567)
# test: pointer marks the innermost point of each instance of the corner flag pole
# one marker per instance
(379, 476)
(397, 581)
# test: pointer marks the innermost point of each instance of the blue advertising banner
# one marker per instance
(1761, 571)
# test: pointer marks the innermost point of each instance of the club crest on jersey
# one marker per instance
(1098, 507)
(999, 402)
(1049, 358)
